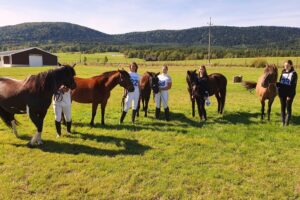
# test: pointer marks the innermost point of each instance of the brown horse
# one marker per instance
(148, 82)
(96, 90)
(32, 96)
(265, 88)
(217, 86)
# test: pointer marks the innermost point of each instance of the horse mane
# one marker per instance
(109, 73)
(46, 81)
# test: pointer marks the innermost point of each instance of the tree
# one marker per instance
(105, 60)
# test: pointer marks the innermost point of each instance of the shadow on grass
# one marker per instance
(160, 125)
(128, 147)
(238, 118)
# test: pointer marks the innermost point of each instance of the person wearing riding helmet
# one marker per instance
(165, 83)
(287, 91)
(132, 98)
(203, 82)
(62, 104)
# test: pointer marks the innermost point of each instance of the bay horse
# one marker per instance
(148, 82)
(96, 90)
(33, 96)
(217, 86)
(265, 87)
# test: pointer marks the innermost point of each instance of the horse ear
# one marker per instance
(157, 74)
(195, 71)
(188, 72)
(59, 64)
(74, 65)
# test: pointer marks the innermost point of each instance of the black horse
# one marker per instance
(148, 82)
(217, 86)
(32, 96)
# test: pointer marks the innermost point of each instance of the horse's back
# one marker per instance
(218, 79)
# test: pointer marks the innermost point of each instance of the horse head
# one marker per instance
(154, 81)
(270, 75)
(125, 81)
(192, 80)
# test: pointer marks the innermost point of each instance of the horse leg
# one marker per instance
(223, 98)
(138, 107)
(94, 111)
(270, 102)
(103, 105)
(9, 120)
(146, 104)
(262, 109)
(193, 107)
(38, 120)
(199, 109)
(217, 95)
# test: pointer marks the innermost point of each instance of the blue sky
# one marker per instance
(120, 16)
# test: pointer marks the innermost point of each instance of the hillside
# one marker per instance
(49, 32)
(222, 36)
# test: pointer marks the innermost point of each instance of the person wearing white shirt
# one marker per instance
(62, 104)
(132, 98)
(162, 97)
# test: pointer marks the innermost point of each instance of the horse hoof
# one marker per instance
(40, 142)
(30, 145)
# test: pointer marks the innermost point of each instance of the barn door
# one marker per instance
(35, 60)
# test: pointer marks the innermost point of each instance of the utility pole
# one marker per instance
(209, 40)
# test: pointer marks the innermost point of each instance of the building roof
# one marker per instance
(9, 53)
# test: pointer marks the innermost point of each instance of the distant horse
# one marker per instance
(96, 90)
(149, 81)
(265, 88)
(33, 96)
(217, 86)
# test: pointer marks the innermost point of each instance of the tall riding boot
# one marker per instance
(167, 114)
(122, 117)
(69, 124)
(157, 113)
(287, 119)
(133, 116)
(58, 128)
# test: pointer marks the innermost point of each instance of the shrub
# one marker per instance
(259, 63)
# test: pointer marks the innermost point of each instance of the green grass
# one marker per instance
(234, 156)
(118, 59)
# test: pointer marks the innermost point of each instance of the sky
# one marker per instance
(122, 16)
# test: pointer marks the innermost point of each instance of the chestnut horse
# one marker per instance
(217, 86)
(148, 82)
(32, 96)
(96, 90)
(265, 88)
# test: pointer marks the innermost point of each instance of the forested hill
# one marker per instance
(50, 32)
(223, 36)
(27, 34)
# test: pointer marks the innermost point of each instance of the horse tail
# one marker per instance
(249, 85)
(7, 117)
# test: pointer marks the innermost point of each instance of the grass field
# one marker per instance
(234, 156)
(115, 59)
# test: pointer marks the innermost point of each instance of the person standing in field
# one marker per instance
(132, 98)
(62, 104)
(162, 97)
(203, 82)
(287, 91)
